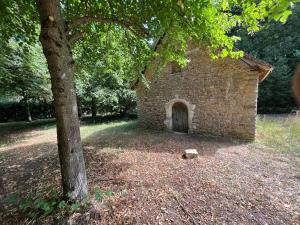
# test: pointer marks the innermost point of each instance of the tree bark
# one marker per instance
(61, 67)
(296, 85)
(79, 106)
(94, 107)
(28, 114)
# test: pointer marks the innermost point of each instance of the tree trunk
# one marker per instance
(61, 68)
(296, 85)
(94, 107)
(28, 114)
(79, 106)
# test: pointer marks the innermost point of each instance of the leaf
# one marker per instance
(53, 193)
(62, 204)
(69, 195)
(40, 203)
(285, 15)
(98, 194)
(109, 193)
(25, 204)
(48, 210)
(75, 206)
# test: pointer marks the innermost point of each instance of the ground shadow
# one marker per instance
(33, 170)
(130, 137)
(148, 172)
(16, 131)
(89, 120)
(13, 132)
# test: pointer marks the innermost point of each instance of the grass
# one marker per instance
(11, 133)
(14, 132)
(108, 128)
(280, 134)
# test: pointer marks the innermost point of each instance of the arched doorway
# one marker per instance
(180, 117)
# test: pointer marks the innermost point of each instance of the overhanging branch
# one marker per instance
(90, 19)
(75, 37)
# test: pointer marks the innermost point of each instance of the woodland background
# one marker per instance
(106, 71)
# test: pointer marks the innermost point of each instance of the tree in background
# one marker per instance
(278, 44)
(63, 22)
(23, 73)
(108, 66)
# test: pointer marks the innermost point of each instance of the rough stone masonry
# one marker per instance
(220, 95)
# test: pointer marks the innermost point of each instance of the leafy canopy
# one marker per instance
(23, 72)
(107, 69)
(207, 20)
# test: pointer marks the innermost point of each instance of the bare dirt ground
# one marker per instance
(229, 183)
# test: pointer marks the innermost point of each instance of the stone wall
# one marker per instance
(221, 96)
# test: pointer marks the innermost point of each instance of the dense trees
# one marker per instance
(278, 44)
(106, 71)
(61, 23)
(23, 73)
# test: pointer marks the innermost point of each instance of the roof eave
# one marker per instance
(263, 68)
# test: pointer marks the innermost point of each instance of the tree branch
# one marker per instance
(75, 37)
(186, 211)
(90, 19)
(157, 44)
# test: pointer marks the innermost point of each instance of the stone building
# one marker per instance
(209, 97)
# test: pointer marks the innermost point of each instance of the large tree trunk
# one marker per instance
(61, 68)
(94, 107)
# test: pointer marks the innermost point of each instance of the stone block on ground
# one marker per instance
(190, 153)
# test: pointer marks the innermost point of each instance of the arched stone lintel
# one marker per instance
(168, 107)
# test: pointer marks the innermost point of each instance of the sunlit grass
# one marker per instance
(280, 134)
(14, 132)
(11, 133)
(109, 128)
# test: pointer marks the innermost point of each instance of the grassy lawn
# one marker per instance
(15, 132)
(107, 128)
(280, 134)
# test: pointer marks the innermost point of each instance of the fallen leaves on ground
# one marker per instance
(229, 183)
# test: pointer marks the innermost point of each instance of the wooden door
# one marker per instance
(180, 117)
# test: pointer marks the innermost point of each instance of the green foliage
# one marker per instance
(39, 206)
(106, 71)
(209, 21)
(62, 204)
(15, 111)
(278, 44)
(112, 53)
(23, 72)
(75, 206)
(52, 202)
(99, 194)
